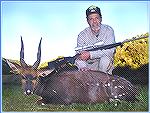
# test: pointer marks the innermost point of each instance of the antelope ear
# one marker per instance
(13, 65)
(45, 72)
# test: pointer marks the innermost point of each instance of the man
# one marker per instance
(101, 60)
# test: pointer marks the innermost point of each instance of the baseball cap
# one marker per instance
(93, 9)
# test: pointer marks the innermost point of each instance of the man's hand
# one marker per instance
(85, 55)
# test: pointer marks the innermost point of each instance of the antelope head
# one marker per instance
(28, 73)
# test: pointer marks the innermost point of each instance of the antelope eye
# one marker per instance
(34, 78)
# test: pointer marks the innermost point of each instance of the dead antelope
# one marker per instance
(74, 86)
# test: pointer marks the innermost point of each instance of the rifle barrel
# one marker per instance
(105, 47)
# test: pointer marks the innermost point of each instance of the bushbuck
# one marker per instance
(71, 86)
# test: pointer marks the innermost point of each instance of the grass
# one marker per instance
(13, 99)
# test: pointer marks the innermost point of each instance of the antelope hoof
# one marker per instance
(41, 102)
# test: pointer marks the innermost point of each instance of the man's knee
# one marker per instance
(106, 65)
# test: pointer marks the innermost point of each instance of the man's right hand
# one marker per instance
(84, 55)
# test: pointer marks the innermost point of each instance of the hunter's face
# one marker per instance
(94, 22)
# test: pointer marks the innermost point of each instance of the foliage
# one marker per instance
(45, 64)
(135, 76)
(133, 54)
(5, 67)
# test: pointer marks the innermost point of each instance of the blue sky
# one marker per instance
(60, 22)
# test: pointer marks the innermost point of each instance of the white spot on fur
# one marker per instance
(115, 87)
(115, 96)
(119, 95)
(42, 104)
(28, 91)
(54, 91)
(123, 93)
(97, 84)
(113, 80)
(121, 86)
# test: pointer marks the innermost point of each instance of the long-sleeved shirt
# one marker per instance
(106, 34)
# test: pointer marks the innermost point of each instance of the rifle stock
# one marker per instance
(60, 61)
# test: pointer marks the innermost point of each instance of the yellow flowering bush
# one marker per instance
(133, 54)
(45, 64)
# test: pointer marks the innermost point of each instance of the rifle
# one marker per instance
(71, 60)
(104, 47)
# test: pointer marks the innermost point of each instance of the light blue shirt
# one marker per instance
(106, 35)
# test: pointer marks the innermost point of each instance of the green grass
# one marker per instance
(13, 99)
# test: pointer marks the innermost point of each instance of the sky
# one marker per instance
(60, 22)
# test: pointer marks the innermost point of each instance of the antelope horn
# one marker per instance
(22, 62)
(36, 64)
